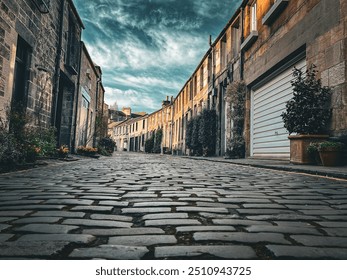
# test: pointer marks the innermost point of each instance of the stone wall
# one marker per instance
(316, 27)
(39, 31)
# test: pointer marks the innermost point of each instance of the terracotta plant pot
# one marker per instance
(298, 147)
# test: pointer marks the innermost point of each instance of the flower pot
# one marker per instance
(298, 147)
(331, 157)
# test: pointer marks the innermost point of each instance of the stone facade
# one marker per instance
(28, 44)
(39, 64)
(262, 39)
(87, 100)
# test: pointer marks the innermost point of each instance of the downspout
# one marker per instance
(96, 109)
(77, 99)
(57, 66)
(242, 55)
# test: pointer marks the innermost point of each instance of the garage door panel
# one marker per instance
(270, 125)
(270, 145)
(261, 136)
(273, 91)
(275, 104)
(269, 138)
(267, 116)
(279, 150)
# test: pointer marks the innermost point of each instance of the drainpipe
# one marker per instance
(73, 148)
(242, 55)
(96, 109)
(57, 66)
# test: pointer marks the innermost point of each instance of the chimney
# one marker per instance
(210, 40)
(127, 111)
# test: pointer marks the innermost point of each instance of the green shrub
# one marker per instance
(149, 144)
(308, 111)
(157, 141)
(207, 132)
(10, 152)
(106, 146)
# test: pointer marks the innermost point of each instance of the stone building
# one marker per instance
(253, 57)
(87, 100)
(277, 36)
(39, 64)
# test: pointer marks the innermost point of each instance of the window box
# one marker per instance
(274, 11)
(252, 37)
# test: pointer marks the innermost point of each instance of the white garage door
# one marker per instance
(269, 138)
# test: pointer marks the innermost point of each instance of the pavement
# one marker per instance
(139, 206)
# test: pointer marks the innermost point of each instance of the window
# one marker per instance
(21, 75)
(201, 77)
(275, 10)
(253, 22)
(223, 53)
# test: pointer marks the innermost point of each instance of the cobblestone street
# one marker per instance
(138, 206)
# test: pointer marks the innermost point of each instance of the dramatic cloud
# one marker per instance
(149, 48)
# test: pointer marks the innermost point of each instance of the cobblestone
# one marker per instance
(97, 223)
(123, 231)
(142, 240)
(33, 249)
(227, 252)
(141, 206)
(76, 238)
(45, 228)
(170, 222)
(111, 252)
(241, 237)
(302, 252)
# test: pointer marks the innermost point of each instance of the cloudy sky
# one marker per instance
(149, 48)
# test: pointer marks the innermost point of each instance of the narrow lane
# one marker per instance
(138, 206)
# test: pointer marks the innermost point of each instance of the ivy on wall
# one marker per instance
(236, 98)
(201, 133)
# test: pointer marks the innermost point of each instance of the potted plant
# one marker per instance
(307, 114)
(331, 153)
(313, 154)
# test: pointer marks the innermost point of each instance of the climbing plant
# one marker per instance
(236, 98)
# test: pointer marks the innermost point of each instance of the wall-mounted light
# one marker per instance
(41, 5)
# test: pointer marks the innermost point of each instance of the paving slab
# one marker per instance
(66, 214)
(97, 223)
(33, 249)
(204, 228)
(202, 209)
(145, 210)
(142, 240)
(75, 238)
(242, 237)
(301, 252)
(110, 252)
(123, 231)
(111, 217)
(282, 229)
(92, 208)
(3, 227)
(46, 228)
(5, 237)
(171, 222)
(37, 220)
(165, 216)
(227, 252)
(320, 241)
